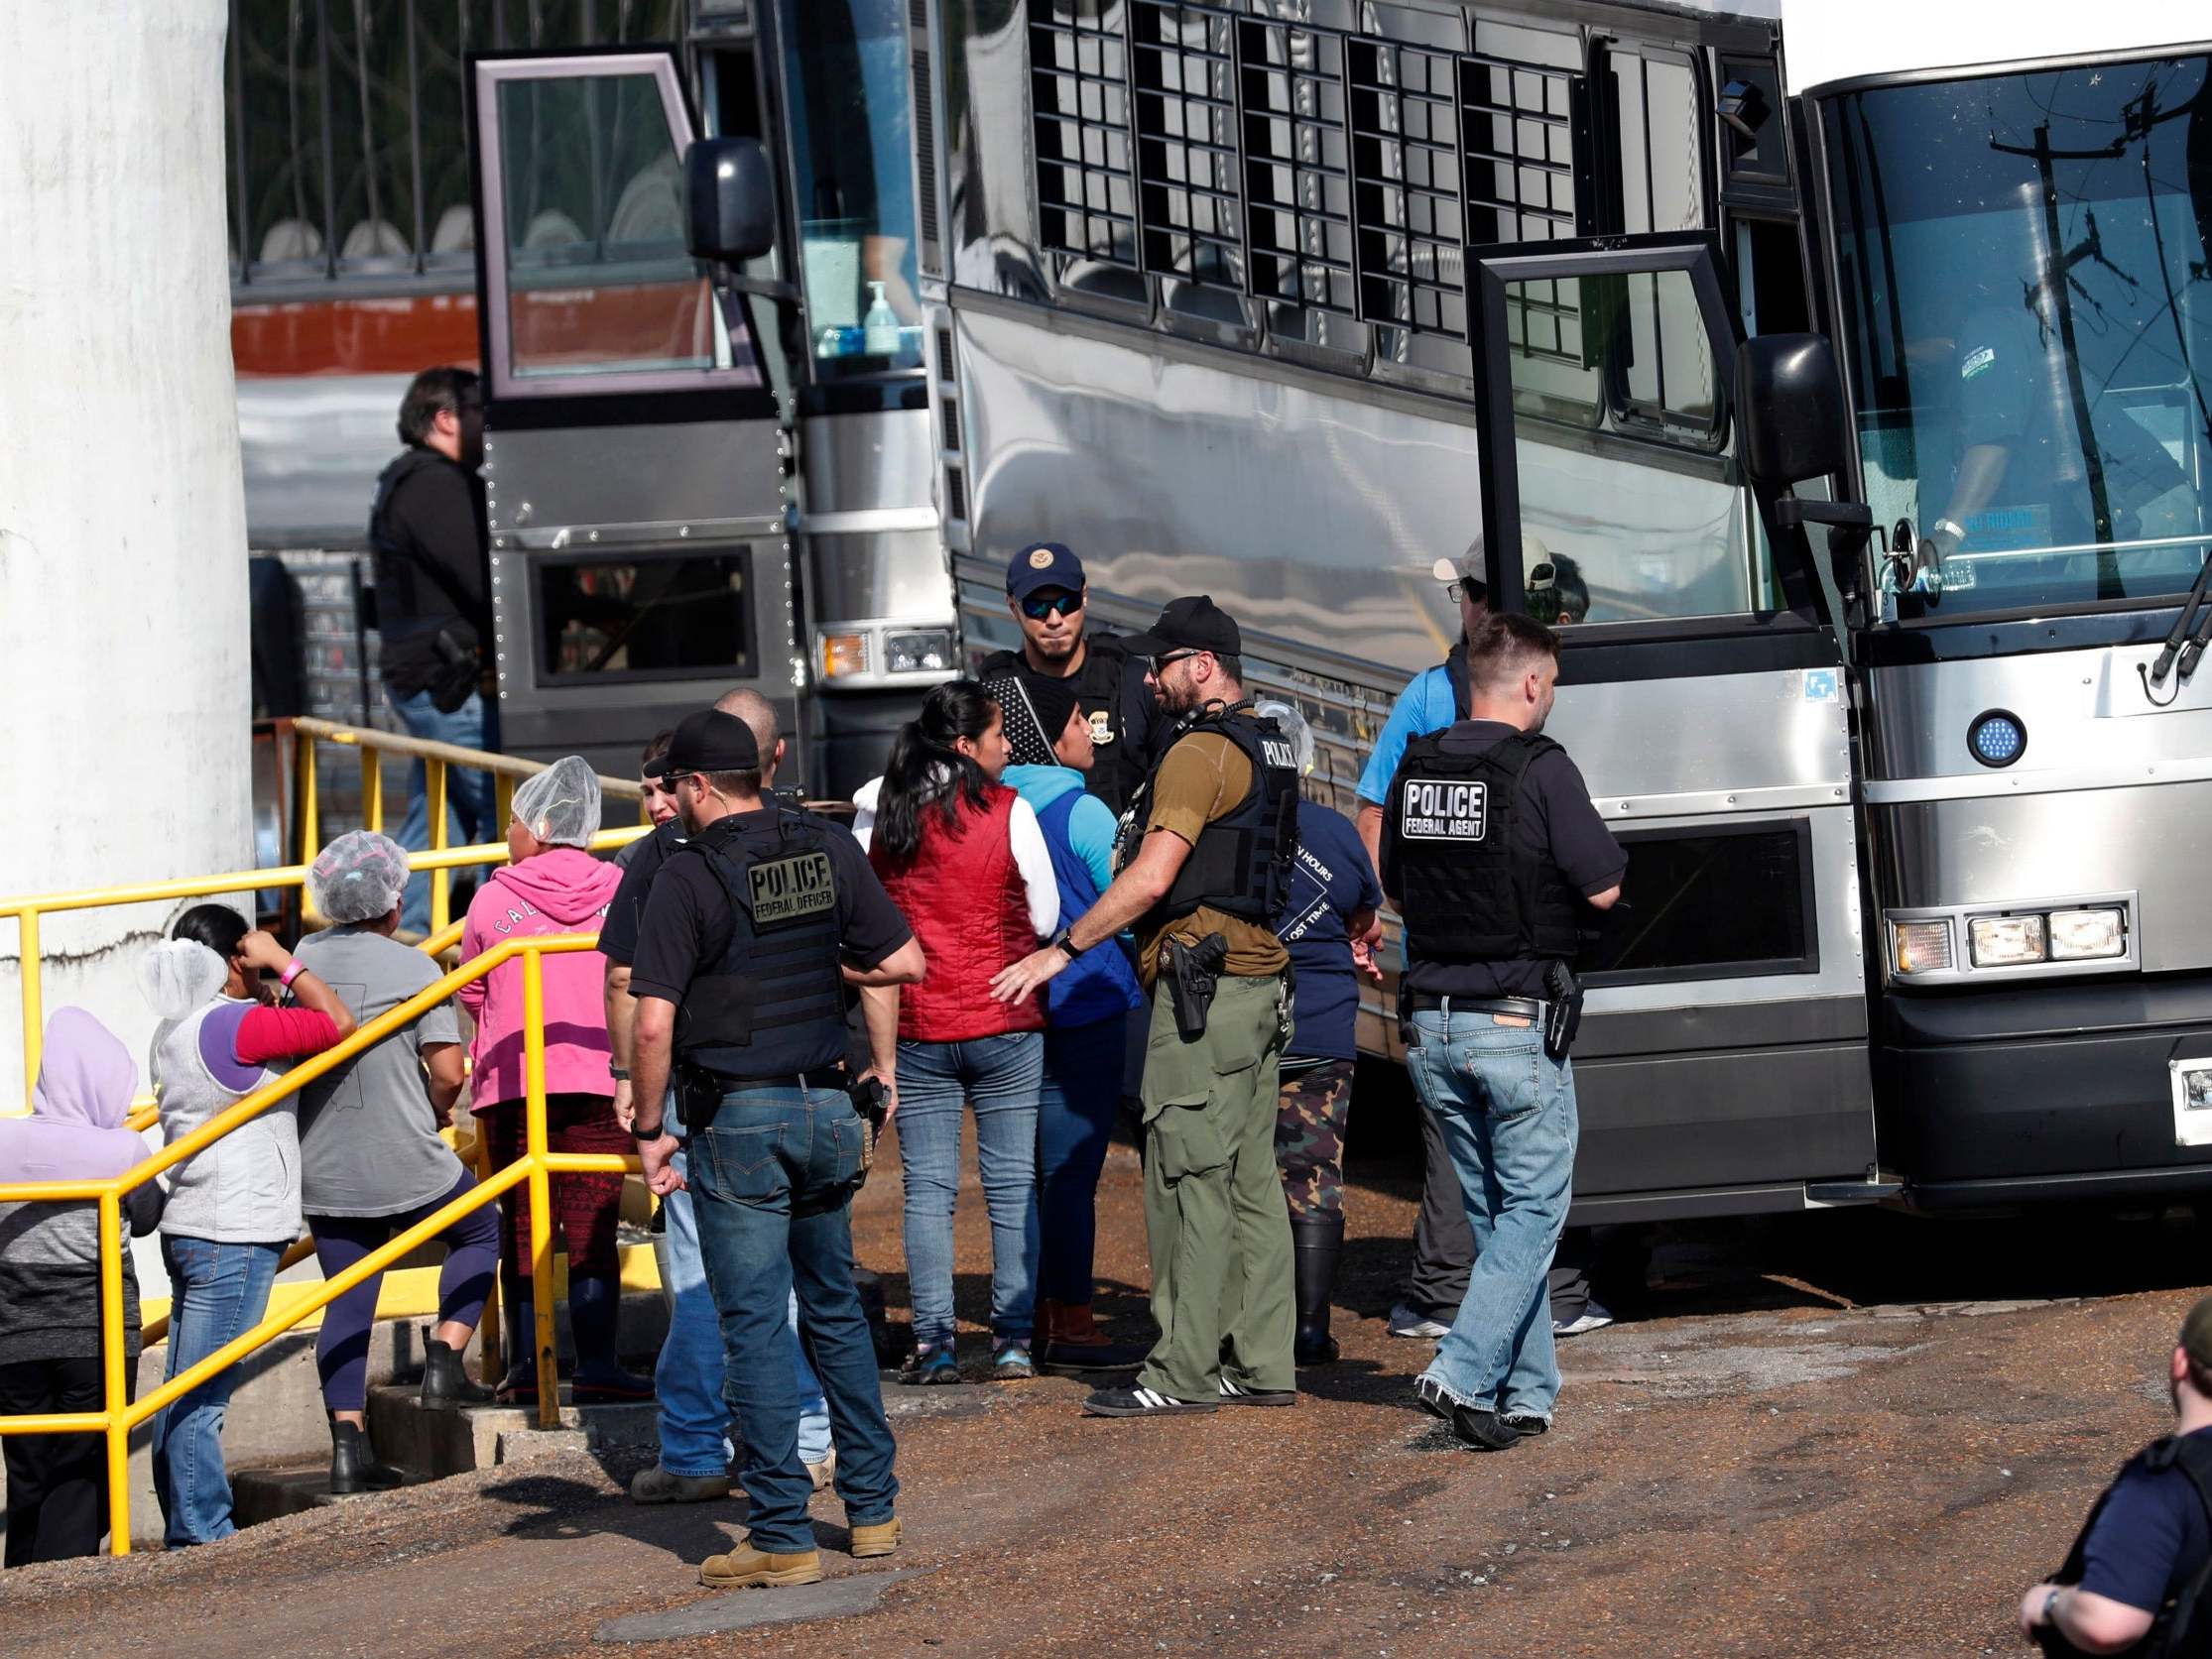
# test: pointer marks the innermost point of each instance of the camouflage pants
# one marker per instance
(1310, 1108)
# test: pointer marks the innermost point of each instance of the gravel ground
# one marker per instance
(1826, 1434)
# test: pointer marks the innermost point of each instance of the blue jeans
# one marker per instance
(1507, 1111)
(470, 801)
(1001, 1077)
(687, 1379)
(772, 1181)
(1076, 1111)
(219, 1292)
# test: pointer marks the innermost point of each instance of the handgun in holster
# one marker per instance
(1563, 1012)
(698, 1094)
(1197, 971)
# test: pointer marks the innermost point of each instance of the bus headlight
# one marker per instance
(2086, 935)
(1921, 947)
(928, 650)
(2005, 941)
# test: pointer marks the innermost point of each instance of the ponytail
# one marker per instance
(926, 769)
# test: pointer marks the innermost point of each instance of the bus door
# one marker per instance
(1722, 1063)
(641, 562)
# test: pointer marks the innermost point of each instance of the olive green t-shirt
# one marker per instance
(1204, 776)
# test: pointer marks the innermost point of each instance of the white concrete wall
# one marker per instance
(123, 627)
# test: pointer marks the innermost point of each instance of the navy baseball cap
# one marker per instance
(1044, 564)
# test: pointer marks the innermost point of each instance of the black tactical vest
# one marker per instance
(2182, 1623)
(774, 1004)
(1241, 865)
(1472, 891)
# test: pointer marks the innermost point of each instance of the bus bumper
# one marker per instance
(2034, 1092)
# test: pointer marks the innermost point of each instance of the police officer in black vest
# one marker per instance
(1492, 852)
(1203, 868)
(754, 927)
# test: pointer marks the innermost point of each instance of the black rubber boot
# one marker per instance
(1316, 1243)
(353, 1465)
(596, 1319)
(520, 1385)
(446, 1381)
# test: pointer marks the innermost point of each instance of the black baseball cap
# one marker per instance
(1044, 564)
(1192, 623)
(709, 741)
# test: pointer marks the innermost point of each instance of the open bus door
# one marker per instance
(1722, 1064)
(641, 561)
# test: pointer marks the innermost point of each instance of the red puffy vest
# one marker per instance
(962, 894)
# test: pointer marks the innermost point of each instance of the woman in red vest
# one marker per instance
(963, 858)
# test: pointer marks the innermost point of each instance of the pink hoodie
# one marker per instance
(562, 891)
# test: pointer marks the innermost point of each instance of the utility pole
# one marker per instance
(124, 722)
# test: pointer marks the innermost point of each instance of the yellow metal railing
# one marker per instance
(436, 758)
(536, 1167)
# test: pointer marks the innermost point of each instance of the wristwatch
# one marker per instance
(1066, 946)
(2050, 1603)
(621, 1074)
(640, 1135)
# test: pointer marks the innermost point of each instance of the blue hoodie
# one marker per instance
(1080, 833)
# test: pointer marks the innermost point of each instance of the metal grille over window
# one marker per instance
(1186, 145)
(1297, 167)
(1518, 122)
(1406, 201)
(1079, 90)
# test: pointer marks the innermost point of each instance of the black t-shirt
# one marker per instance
(1558, 821)
(618, 934)
(1110, 690)
(687, 923)
(435, 515)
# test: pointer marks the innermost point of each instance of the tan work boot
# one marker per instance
(659, 1486)
(823, 1473)
(746, 1567)
(879, 1539)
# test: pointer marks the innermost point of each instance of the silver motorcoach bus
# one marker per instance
(687, 494)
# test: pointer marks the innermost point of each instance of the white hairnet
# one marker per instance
(359, 878)
(1294, 727)
(177, 974)
(560, 804)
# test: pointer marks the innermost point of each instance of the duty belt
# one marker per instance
(1517, 1007)
(821, 1077)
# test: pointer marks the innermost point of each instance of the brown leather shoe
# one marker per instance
(746, 1567)
(881, 1538)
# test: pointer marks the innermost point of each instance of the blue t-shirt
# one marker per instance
(1331, 880)
(1425, 705)
(2152, 1531)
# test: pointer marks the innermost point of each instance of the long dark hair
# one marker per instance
(959, 708)
(217, 927)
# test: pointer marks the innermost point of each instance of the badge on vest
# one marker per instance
(790, 889)
(1440, 811)
(1102, 726)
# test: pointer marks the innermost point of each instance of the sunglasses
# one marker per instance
(669, 779)
(1037, 608)
(1159, 664)
(1470, 589)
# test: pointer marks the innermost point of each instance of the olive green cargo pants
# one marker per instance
(1214, 1213)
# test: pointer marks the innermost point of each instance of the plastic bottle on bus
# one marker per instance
(880, 327)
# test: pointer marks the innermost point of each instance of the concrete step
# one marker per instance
(433, 1443)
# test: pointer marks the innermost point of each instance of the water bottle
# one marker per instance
(880, 327)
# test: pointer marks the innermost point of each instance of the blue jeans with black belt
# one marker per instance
(771, 1180)
(1507, 1117)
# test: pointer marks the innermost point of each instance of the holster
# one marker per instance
(1196, 976)
(699, 1094)
(1563, 1015)
(870, 1105)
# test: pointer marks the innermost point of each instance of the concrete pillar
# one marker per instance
(124, 735)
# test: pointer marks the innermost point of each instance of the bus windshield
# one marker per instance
(2026, 296)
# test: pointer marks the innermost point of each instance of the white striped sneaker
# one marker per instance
(1140, 1402)
(1235, 1394)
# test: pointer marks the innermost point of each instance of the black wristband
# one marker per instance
(642, 1134)
(1068, 947)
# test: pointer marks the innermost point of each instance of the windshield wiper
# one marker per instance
(2155, 671)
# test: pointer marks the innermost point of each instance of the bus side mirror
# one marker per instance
(1790, 402)
(732, 195)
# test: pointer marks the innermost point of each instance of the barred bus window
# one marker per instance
(1298, 166)
(1079, 90)
(1186, 147)
(1407, 198)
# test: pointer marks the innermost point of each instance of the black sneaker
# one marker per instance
(1140, 1402)
(1526, 1426)
(1235, 1394)
(1471, 1426)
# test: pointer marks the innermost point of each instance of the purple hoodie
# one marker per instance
(76, 1128)
(562, 891)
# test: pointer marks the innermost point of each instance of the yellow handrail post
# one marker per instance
(307, 784)
(494, 1361)
(34, 1014)
(503, 788)
(540, 1183)
(372, 788)
(433, 793)
(117, 1395)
